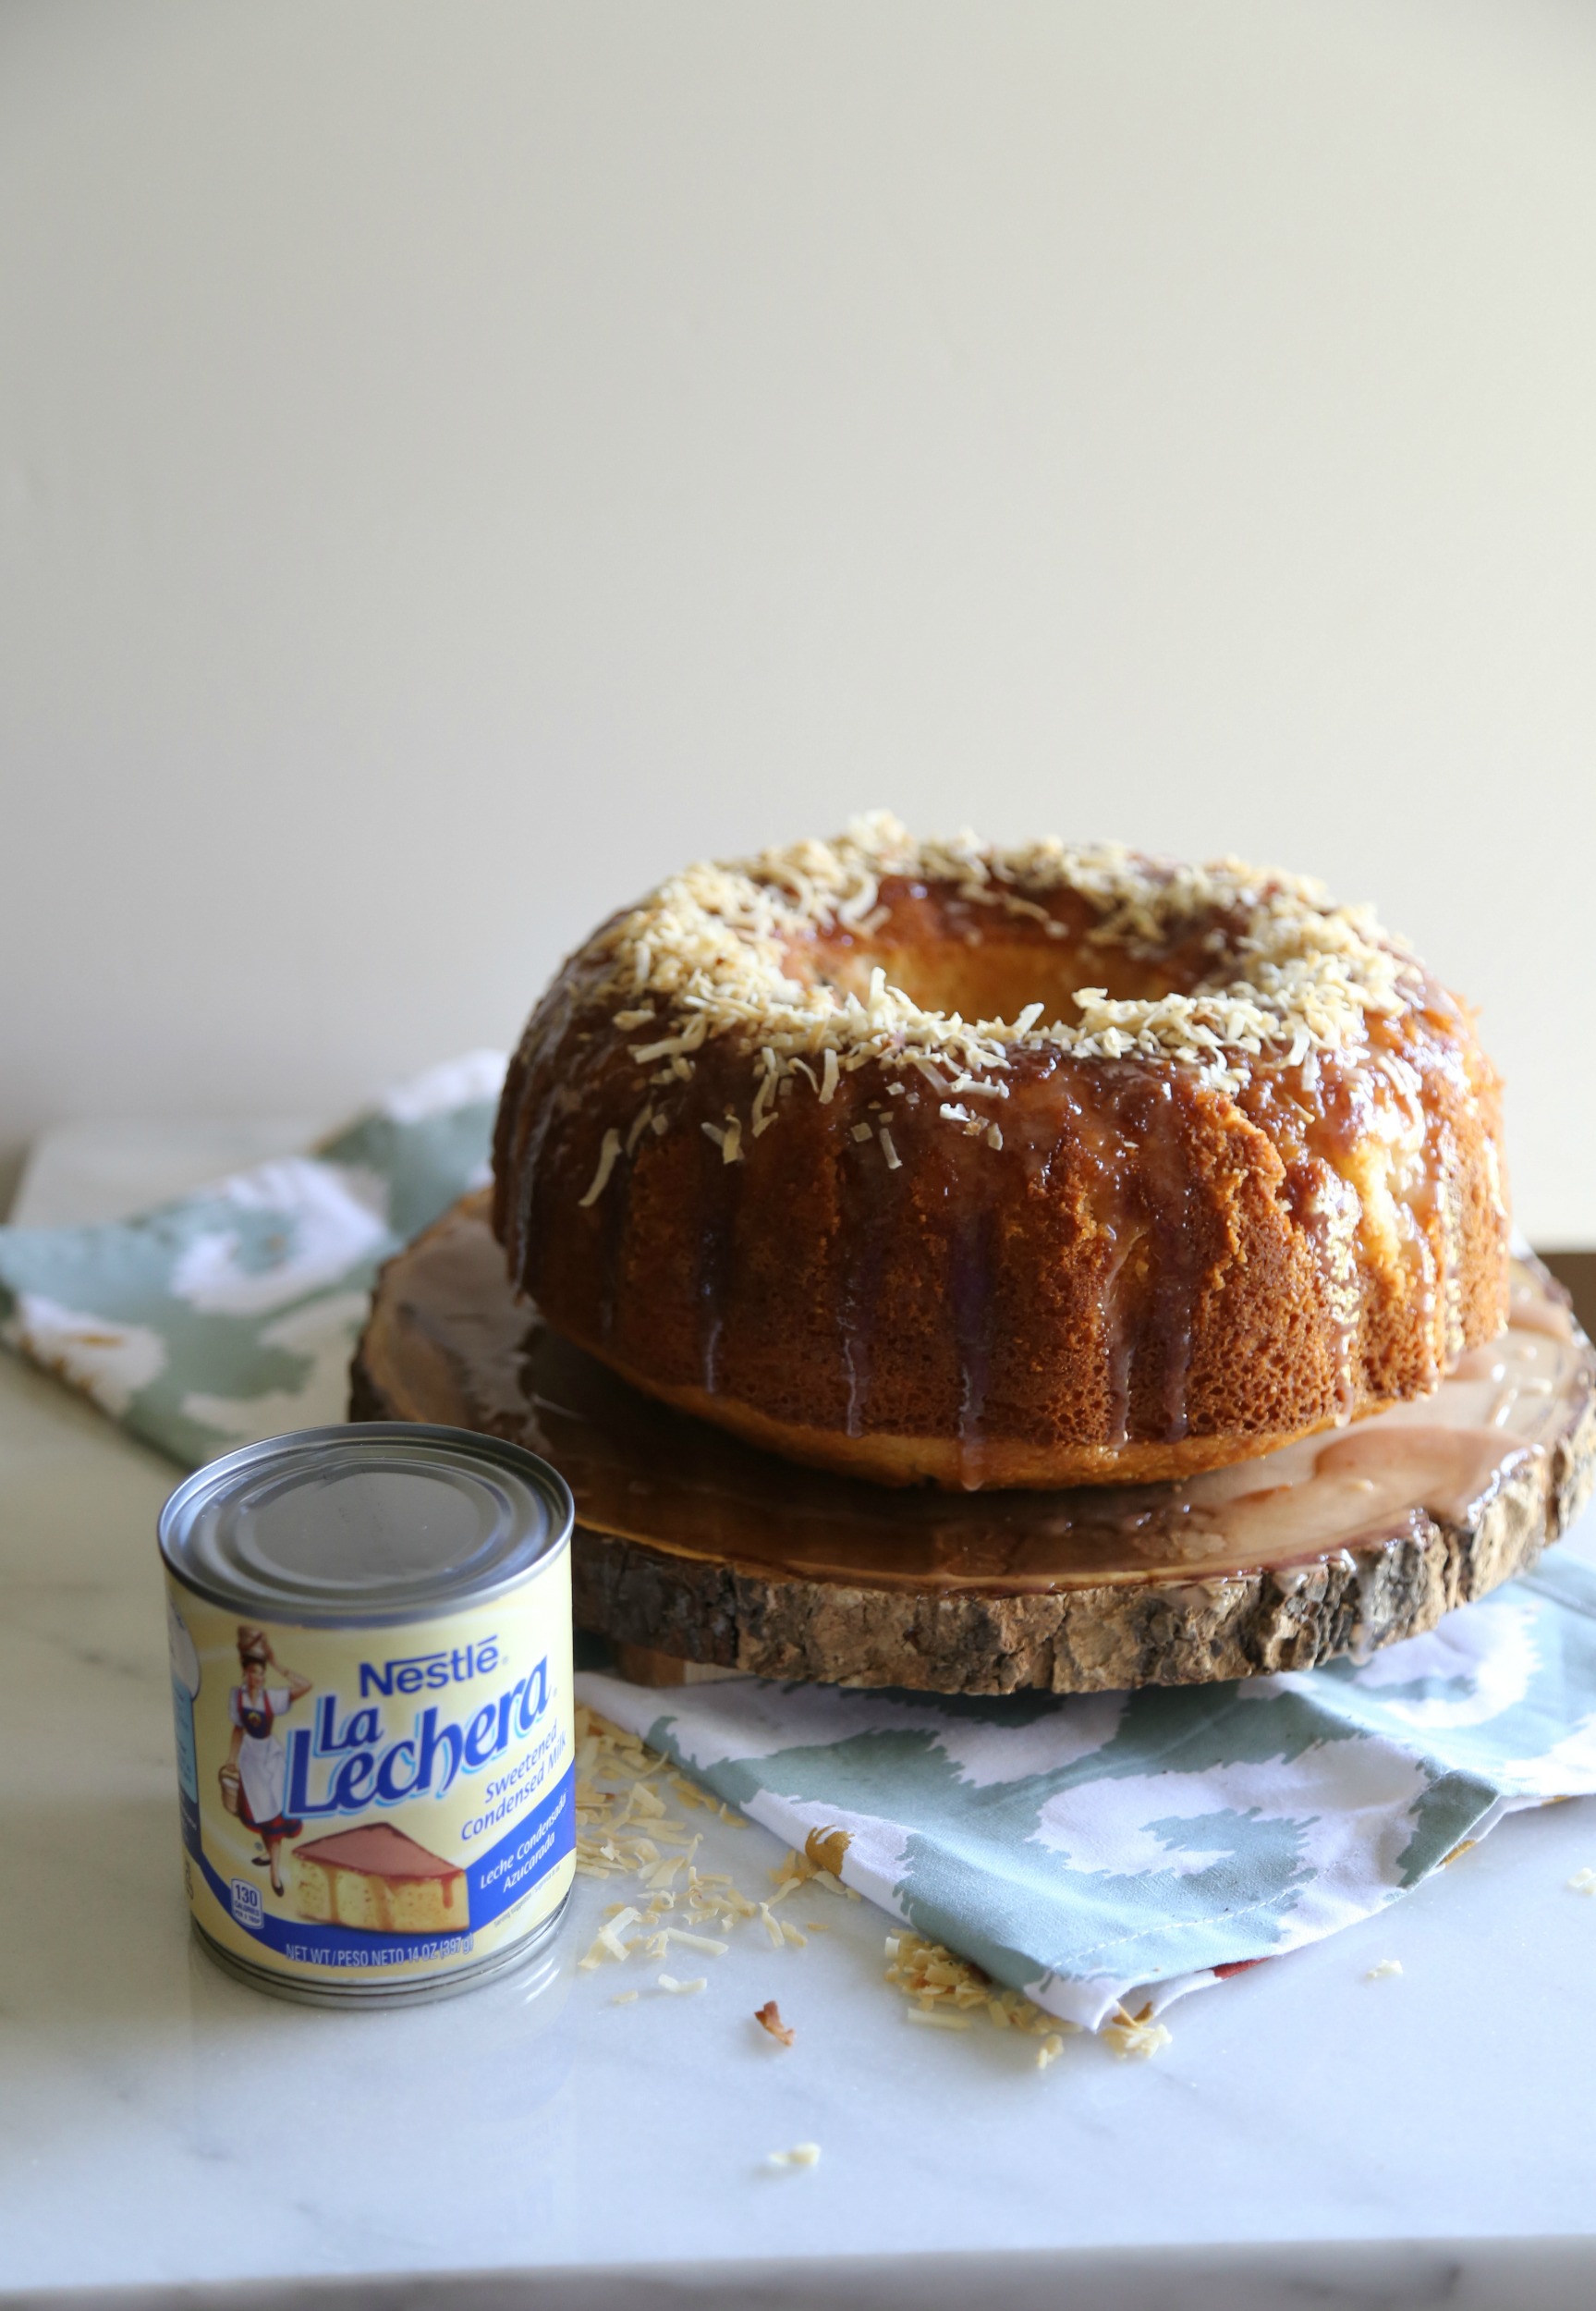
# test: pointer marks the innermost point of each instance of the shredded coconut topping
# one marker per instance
(709, 954)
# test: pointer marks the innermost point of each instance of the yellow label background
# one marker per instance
(522, 1784)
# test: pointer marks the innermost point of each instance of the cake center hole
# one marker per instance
(949, 955)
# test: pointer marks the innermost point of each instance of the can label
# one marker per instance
(369, 1807)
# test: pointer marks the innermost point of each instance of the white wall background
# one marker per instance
(460, 460)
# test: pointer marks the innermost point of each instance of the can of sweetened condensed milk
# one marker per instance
(370, 1643)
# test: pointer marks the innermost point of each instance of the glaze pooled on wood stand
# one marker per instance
(701, 1548)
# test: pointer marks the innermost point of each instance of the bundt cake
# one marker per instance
(937, 1161)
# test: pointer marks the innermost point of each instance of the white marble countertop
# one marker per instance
(1309, 2136)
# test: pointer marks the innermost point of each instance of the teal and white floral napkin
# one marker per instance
(1111, 1850)
(233, 1314)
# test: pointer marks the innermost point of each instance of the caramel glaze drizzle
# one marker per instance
(449, 1342)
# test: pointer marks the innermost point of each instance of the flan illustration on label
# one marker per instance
(379, 1880)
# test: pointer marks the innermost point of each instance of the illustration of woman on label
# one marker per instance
(254, 1779)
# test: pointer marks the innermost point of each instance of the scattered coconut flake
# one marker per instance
(801, 2155)
(827, 1849)
(668, 1983)
(1135, 2036)
(608, 1943)
(944, 1985)
(1386, 1966)
(769, 2018)
(1583, 1882)
(696, 1941)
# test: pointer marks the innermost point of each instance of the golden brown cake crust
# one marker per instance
(1014, 1253)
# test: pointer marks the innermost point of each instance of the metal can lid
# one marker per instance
(384, 1521)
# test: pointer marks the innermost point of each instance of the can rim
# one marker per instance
(469, 1444)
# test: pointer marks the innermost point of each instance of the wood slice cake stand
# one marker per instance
(700, 1555)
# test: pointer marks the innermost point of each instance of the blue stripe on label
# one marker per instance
(525, 1853)
(496, 1882)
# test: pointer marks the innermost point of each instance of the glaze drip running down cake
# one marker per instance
(936, 1162)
